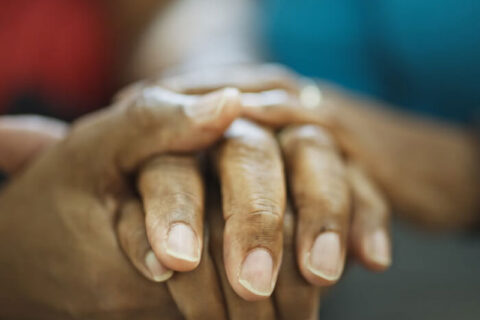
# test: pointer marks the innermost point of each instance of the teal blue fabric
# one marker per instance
(422, 55)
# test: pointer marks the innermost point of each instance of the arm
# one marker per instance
(429, 169)
(196, 33)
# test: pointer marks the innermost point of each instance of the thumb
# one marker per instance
(153, 120)
(23, 137)
(279, 108)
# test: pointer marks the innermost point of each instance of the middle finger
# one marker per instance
(321, 195)
(253, 190)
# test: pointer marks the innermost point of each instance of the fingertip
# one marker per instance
(323, 264)
(252, 277)
(256, 274)
(376, 250)
(180, 250)
(157, 271)
(182, 243)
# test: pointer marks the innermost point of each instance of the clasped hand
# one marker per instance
(125, 186)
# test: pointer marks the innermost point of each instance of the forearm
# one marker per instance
(197, 33)
(429, 169)
(128, 20)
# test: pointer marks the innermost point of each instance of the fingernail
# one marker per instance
(157, 270)
(377, 247)
(208, 107)
(325, 259)
(257, 272)
(182, 243)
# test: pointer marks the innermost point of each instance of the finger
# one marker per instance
(253, 190)
(198, 293)
(321, 196)
(184, 287)
(238, 308)
(253, 78)
(171, 188)
(278, 108)
(153, 121)
(23, 137)
(294, 297)
(134, 243)
(370, 236)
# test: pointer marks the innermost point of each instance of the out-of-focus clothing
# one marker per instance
(419, 55)
(55, 57)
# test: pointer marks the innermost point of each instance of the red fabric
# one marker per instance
(61, 48)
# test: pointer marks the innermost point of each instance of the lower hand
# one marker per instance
(293, 297)
(59, 255)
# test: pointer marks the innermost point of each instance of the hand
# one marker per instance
(59, 254)
(205, 293)
(398, 150)
(294, 298)
(249, 165)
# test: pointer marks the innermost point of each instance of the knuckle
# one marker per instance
(185, 199)
(334, 207)
(263, 227)
(244, 130)
(264, 206)
(251, 150)
(307, 135)
(260, 223)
